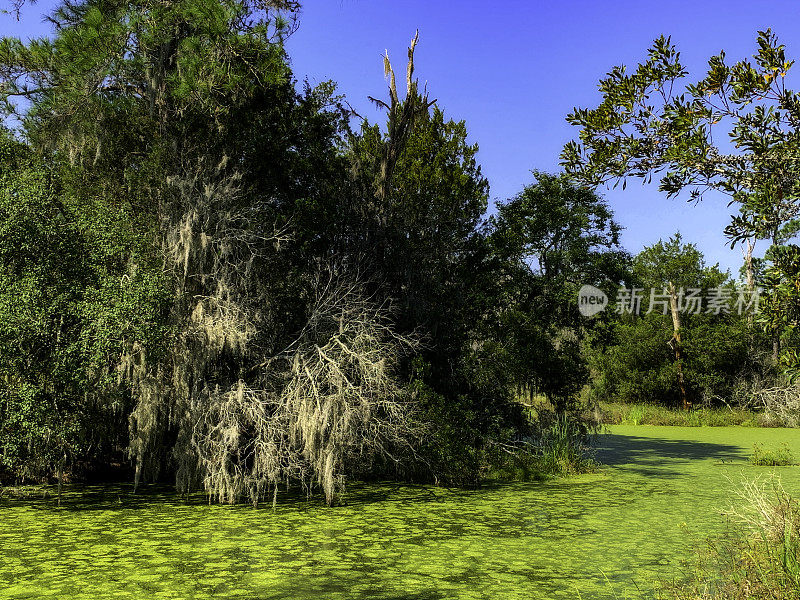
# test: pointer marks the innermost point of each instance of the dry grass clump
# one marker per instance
(758, 558)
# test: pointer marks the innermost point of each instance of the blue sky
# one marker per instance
(513, 69)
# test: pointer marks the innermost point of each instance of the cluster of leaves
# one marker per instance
(549, 240)
(780, 308)
(637, 364)
(180, 228)
(75, 282)
(734, 132)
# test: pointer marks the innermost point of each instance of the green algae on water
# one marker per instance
(600, 535)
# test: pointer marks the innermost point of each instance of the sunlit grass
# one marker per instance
(618, 413)
(772, 457)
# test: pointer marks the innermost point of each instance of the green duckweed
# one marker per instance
(610, 534)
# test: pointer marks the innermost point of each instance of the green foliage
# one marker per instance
(772, 457)
(178, 126)
(67, 304)
(561, 231)
(652, 123)
(633, 361)
(677, 262)
(260, 201)
(548, 241)
(563, 446)
(638, 366)
(556, 444)
(417, 241)
(452, 450)
(194, 229)
(779, 307)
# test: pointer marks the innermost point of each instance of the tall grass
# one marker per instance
(618, 413)
(758, 558)
(563, 446)
(559, 445)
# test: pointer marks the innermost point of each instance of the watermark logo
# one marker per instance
(635, 301)
(591, 300)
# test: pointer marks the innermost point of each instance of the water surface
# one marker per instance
(610, 534)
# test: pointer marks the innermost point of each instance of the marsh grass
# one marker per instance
(757, 558)
(772, 457)
(618, 413)
(564, 447)
(560, 446)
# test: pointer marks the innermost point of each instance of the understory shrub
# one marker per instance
(781, 404)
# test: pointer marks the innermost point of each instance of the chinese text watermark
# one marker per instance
(636, 301)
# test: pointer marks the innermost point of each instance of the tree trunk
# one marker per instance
(137, 474)
(750, 276)
(675, 343)
(776, 342)
(61, 477)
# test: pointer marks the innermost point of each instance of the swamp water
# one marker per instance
(605, 535)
